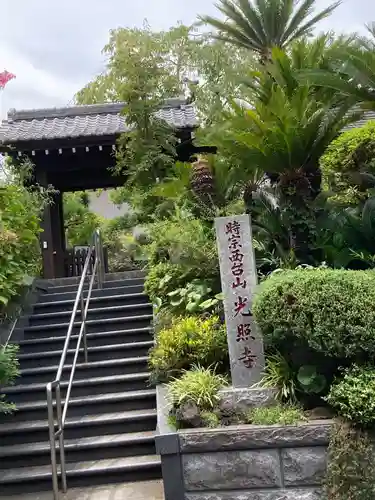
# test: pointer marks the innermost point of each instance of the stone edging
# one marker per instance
(242, 462)
(254, 437)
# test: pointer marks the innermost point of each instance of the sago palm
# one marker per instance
(284, 133)
(356, 77)
(261, 25)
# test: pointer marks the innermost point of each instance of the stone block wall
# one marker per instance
(245, 462)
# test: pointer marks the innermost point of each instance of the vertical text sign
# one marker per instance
(238, 281)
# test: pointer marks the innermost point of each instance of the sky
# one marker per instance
(54, 47)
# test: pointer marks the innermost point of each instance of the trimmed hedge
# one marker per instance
(352, 151)
(331, 311)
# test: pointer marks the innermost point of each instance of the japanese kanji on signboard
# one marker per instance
(238, 276)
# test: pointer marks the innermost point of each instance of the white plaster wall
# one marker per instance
(103, 206)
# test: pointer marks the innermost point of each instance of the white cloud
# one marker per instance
(54, 48)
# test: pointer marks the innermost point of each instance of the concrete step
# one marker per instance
(98, 339)
(95, 353)
(105, 368)
(93, 326)
(87, 473)
(87, 405)
(107, 284)
(105, 312)
(105, 292)
(80, 427)
(91, 386)
(74, 280)
(81, 449)
(66, 305)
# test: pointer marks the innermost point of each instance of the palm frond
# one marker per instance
(334, 81)
(254, 19)
(302, 13)
(239, 21)
(260, 25)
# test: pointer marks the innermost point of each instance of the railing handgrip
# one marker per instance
(61, 410)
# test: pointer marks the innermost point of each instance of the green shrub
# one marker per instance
(119, 224)
(80, 222)
(20, 211)
(352, 152)
(331, 311)
(186, 242)
(199, 386)
(350, 465)
(188, 341)
(124, 253)
(279, 374)
(282, 415)
(9, 371)
(353, 397)
(163, 278)
(210, 419)
(291, 382)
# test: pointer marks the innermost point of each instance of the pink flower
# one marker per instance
(5, 77)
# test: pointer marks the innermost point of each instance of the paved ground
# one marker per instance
(150, 490)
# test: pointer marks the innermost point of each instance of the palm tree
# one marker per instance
(261, 25)
(356, 77)
(283, 133)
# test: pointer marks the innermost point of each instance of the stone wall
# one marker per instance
(245, 462)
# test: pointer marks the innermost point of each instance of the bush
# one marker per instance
(163, 278)
(80, 221)
(20, 211)
(354, 396)
(186, 242)
(189, 341)
(350, 465)
(199, 386)
(9, 371)
(352, 152)
(282, 415)
(124, 253)
(331, 311)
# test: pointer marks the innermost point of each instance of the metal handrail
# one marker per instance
(62, 408)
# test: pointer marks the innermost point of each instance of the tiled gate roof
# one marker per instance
(84, 121)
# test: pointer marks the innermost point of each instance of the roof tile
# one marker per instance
(84, 121)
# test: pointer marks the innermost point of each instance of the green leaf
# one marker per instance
(167, 278)
(306, 375)
(192, 306)
(4, 300)
(208, 304)
(176, 303)
(158, 303)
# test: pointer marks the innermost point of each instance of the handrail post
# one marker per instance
(51, 431)
(83, 315)
(61, 438)
(61, 411)
(100, 258)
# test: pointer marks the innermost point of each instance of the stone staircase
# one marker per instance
(111, 420)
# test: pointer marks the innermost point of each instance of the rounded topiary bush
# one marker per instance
(331, 311)
(353, 151)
